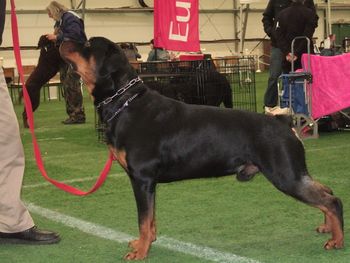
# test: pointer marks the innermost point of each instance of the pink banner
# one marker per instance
(331, 83)
(176, 25)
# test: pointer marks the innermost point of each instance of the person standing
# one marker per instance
(274, 7)
(16, 223)
(296, 20)
(157, 54)
(68, 26)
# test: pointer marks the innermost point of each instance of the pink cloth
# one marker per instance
(185, 57)
(176, 25)
(331, 83)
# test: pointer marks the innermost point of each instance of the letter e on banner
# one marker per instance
(176, 25)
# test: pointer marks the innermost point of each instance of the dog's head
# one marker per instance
(44, 42)
(101, 63)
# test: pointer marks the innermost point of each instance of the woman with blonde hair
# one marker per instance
(68, 27)
(56, 10)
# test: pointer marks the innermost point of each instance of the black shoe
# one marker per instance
(32, 236)
(73, 121)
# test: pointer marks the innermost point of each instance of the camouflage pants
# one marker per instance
(72, 92)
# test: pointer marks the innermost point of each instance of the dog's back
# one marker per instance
(178, 132)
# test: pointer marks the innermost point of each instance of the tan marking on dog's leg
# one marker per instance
(326, 227)
(120, 156)
(134, 243)
(320, 196)
(142, 245)
(154, 229)
(337, 240)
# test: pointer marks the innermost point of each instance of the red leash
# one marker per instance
(28, 106)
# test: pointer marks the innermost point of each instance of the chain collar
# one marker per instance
(126, 104)
(119, 92)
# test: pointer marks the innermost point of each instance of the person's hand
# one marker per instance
(51, 37)
(291, 58)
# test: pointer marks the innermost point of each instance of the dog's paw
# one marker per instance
(134, 244)
(324, 229)
(135, 255)
(139, 250)
(333, 244)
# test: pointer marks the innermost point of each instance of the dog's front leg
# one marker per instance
(145, 201)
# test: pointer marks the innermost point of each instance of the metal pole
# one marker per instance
(241, 28)
(83, 9)
(244, 25)
(329, 17)
(235, 25)
(72, 4)
(308, 41)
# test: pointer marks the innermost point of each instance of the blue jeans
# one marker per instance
(271, 93)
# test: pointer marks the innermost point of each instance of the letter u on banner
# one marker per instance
(176, 25)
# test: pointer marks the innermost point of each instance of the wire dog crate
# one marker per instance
(240, 72)
(228, 82)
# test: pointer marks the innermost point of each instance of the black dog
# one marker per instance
(131, 51)
(215, 89)
(48, 65)
(160, 140)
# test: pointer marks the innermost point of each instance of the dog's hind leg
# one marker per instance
(315, 194)
(326, 227)
(145, 201)
(332, 208)
(286, 170)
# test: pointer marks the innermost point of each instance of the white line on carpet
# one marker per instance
(120, 237)
(51, 139)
